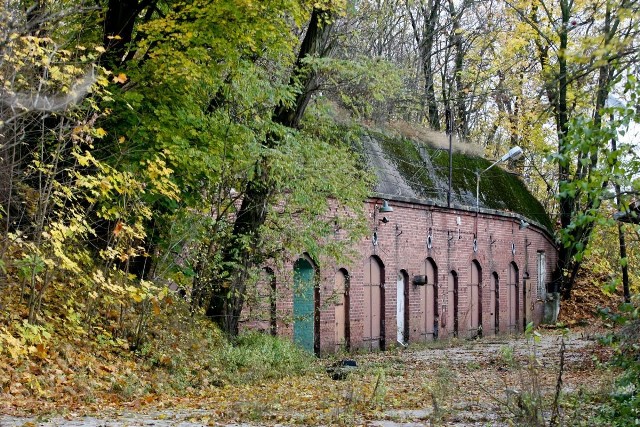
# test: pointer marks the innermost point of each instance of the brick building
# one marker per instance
(425, 271)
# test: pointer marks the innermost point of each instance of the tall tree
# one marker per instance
(424, 22)
(228, 295)
(218, 89)
(581, 51)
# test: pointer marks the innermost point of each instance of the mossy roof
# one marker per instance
(414, 170)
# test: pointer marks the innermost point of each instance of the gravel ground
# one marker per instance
(469, 383)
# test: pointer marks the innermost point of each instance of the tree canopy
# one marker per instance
(146, 143)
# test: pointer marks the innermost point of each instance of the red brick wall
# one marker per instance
(402, 245)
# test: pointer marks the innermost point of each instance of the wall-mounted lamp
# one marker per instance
(523, 224)
(419, 280)
(385, 208)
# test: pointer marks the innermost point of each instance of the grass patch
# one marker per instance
(255, 356)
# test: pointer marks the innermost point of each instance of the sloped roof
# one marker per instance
(414, 170)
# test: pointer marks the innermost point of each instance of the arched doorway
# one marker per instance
(429, 319)
(305, 305)
(373, 336)
(475, 300)
(341, 289)
(402, 307)
(494, 309)
(453, 320)
(513, 300)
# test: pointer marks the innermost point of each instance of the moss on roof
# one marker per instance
(425, 169)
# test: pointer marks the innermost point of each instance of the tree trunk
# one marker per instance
(425, 39)
(621, 236)
(567, 261)
(119, 23)
(621, 239)
(560, 110)
(227, 300)
(462, 125)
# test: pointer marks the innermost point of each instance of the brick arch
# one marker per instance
(259, 307)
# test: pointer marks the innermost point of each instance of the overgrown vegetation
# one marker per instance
(162, 148)
(622, 408)
(47, 366)
(256, 356)
(125, 157)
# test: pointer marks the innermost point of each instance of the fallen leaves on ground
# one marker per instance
(587, 297)
(444, 379)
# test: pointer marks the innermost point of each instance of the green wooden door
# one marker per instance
(303, 304)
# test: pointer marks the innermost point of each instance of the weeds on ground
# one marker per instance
(526, 402)
(346, 410)
(437, 390)
(361, 392)
(379, 389)
(622, 406)
(506, 356)
(531, 404)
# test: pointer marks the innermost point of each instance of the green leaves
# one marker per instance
(367, 87)
(597, 167)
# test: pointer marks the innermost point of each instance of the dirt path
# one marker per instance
(498, 382)
(491, 381)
